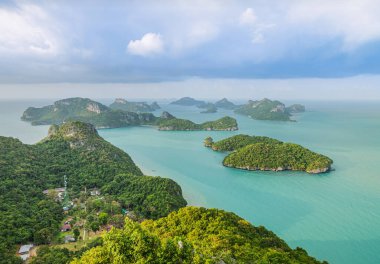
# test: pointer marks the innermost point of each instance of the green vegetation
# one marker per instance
(238, 141)
(84, 110)
(76, 150)
(101, 116)
(278, 157)
(169, 122)
(194, 235)
(264, 153)
(268, 110)
(122, 104)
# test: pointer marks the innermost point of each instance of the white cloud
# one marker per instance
(356, 21)
(248, 17)
(26, 30)
(149, 44)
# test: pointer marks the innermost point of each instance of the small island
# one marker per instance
(101, 116)
(168, 122)
(122, 104)
(268, 154)
(225, 104)
(188, 101)
(209, 109)
(269, 110)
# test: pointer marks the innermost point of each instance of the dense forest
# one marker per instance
(264, 153)
(193, 235)
(76, 150)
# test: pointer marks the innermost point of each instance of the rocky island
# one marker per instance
(263, 153)
(268, 110)
(122, 104)
(101, 116)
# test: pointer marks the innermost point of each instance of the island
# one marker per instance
(122, 104)
(266, 109)
(225, 104)
(85, 110)
(188, 101)
(168, 122)
(101, 116)
(267, 154)
(296, 108)
(33, 176)
(209, 109)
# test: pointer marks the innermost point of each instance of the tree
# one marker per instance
(76, 233)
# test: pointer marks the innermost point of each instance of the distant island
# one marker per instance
(101, 116)
(269, 110)
(168, 122)
(122, 104)
(210, 107)
(264, 153)
(225, 104)
(188, 101)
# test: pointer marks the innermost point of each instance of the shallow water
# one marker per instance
(334, 216)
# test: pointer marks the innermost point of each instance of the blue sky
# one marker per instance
(170, 40)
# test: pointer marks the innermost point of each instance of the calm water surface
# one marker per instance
(334, 216)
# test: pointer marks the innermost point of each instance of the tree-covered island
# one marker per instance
(101, 116)
(264, 153)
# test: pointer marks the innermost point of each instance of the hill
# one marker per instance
(267, 110)
(225, 104)
(168, 122)
(84, 110)
(188, 101)
(122, 104)
(76, 150)
(101, 116)
(194, 235)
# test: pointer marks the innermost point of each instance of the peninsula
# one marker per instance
(263, 153)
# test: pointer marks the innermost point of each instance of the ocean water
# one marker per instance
(334, 216)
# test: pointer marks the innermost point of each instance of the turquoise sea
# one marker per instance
(334, 216)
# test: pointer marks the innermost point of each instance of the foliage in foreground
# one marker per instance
(76, 150)
(194, 235)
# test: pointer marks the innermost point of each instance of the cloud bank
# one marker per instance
(139, 41)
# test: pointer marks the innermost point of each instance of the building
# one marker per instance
(24, 251)
(65, 228)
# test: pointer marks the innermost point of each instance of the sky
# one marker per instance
(150, 43)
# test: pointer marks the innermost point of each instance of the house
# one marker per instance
(24, 251)
(65, 228)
